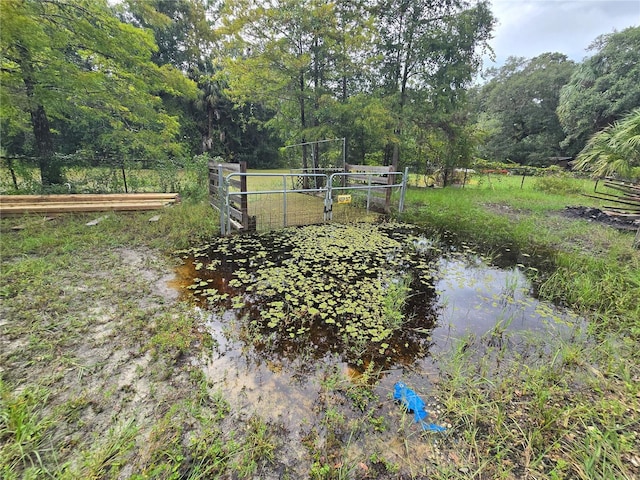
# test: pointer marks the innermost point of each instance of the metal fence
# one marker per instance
(276, 200)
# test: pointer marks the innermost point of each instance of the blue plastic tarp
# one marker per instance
(413, 403)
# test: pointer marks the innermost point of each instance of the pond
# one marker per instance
(292, 309)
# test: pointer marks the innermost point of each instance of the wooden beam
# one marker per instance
(368, 168)
(79, 207)
(88, 197)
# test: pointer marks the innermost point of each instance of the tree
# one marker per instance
(518, 109)
(429, 51)
(185, 35)
(604, 88)
(183, 29)
(285, 59)
(613, 150)
(75, 63)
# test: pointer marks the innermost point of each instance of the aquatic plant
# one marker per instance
(347, 282)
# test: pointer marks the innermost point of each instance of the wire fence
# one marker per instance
(278, 200)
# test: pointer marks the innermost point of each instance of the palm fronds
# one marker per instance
(613, 150)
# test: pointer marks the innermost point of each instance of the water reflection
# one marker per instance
(276, 363)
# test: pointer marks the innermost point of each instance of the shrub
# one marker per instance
(558, 184)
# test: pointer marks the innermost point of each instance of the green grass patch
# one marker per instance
(594, 268)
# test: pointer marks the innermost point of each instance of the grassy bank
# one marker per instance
(100, 375)
(594, 268)
(568, 407)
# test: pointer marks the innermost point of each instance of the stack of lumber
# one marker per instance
(52, 204)
(625, 202)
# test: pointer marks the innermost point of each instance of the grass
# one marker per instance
(98, 378)
(595, 267)
(22, 421)
(567, 407)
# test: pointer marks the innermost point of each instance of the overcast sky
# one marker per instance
(527, 28)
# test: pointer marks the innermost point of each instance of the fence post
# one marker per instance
(403, 189)
(328, 206)
(221, 192)
(284, 200)
(368, 191)
(244, 201)
(391, 179)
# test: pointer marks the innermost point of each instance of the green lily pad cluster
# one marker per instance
(360, 282)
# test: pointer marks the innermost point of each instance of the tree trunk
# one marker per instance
(13, 173)
(305, 162)
(50, 170)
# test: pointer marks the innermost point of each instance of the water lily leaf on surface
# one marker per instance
(334, 277)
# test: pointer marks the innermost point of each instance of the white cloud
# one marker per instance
(527, 28)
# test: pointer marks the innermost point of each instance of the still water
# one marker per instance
(289, 309)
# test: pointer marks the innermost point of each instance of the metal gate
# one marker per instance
(372, 185)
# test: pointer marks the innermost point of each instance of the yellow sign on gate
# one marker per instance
(344, 198)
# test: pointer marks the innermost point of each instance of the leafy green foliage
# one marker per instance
(613, 150)
(76, 65)
(518, 109)
(428, 52)
(604, 88)
(557, 184)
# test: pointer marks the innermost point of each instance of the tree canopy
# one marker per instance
(615, 150)
(106, 83)
(76, 65)
(518, 109)
(604, 88)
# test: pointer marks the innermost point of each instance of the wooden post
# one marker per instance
(221, 191)
(124, 178)
(13, 173)
(390, 181)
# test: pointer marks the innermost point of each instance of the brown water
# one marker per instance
(281, 372)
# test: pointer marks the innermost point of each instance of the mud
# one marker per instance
(98, 368)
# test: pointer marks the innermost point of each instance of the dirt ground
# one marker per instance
(79, 341)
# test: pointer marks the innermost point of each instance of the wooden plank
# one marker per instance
(614, 199)
(628, 189)
(629, 216)
(88, 197)
(235, 213)
(235, 183)
(368, 168)
(79, 207)
(631, 186)
(231, 167)
(113, 203)
(236, 225)
(365, 179)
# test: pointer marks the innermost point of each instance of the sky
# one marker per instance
(527, 28)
